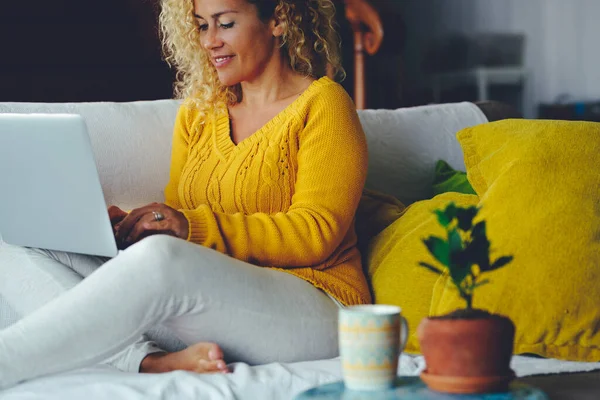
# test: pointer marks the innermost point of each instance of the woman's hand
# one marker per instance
(116, 215)
(153, 219)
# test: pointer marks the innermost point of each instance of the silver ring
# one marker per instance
(158, 216)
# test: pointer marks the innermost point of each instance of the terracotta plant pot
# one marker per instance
(467, 352)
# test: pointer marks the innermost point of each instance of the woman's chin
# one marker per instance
(228, 80)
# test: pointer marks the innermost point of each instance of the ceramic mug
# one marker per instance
(371, 338)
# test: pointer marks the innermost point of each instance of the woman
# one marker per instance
(254, 248)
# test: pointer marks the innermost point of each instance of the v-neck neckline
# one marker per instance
(223, 125)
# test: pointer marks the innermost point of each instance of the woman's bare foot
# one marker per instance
(203, 357)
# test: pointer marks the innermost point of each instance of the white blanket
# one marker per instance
(273, 381)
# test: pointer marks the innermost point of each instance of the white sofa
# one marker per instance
(132, 145)
(131, 142)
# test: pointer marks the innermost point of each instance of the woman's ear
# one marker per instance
(277, 27)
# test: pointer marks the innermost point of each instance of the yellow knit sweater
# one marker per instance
(283, 198)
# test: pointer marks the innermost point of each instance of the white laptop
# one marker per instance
(50, 193)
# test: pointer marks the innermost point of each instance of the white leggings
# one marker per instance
(257, 315)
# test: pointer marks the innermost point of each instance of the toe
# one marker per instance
(211, 366)
(215, 352)
(221, 365)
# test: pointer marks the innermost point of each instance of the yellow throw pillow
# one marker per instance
(539, 185)
(393, 255)
(376, 211)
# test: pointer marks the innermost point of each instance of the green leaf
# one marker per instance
(439, 248)
(460, 259)
(458, 273)
(460, 266)
(499, 263)
(431, 268)
(450, 211)
(479, 229)
(478, 250)
(455, 241)
(465, 217)
(442, 219)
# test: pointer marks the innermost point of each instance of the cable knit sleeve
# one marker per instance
(178, 157)
(331, 171)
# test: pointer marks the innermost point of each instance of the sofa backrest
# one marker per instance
(405, 144)
(132, 143)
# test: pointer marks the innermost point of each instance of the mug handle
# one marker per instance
(403, 333)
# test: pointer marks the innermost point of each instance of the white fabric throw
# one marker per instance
(266, 382)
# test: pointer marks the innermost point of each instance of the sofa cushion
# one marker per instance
(539, 192)
(131, 143)
(539, 184)
(393, 260)
(375, 212)
(405, 144)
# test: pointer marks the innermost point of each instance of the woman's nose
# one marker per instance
(211, 39)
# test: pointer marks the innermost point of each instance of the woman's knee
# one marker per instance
(10, 250)
(12, 256)
(156, 256)
(155, 245)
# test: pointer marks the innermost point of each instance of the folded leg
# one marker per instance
(257, 315)
(30, 278)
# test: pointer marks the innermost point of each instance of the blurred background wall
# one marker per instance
(80, 50)
(561, 39)
(73, 50)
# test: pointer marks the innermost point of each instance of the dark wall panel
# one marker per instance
(73, 50)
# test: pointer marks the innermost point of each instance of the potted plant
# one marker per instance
(468, 350)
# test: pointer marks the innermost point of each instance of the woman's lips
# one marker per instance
(222, 61)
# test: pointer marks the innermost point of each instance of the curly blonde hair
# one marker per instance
(309, 42)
